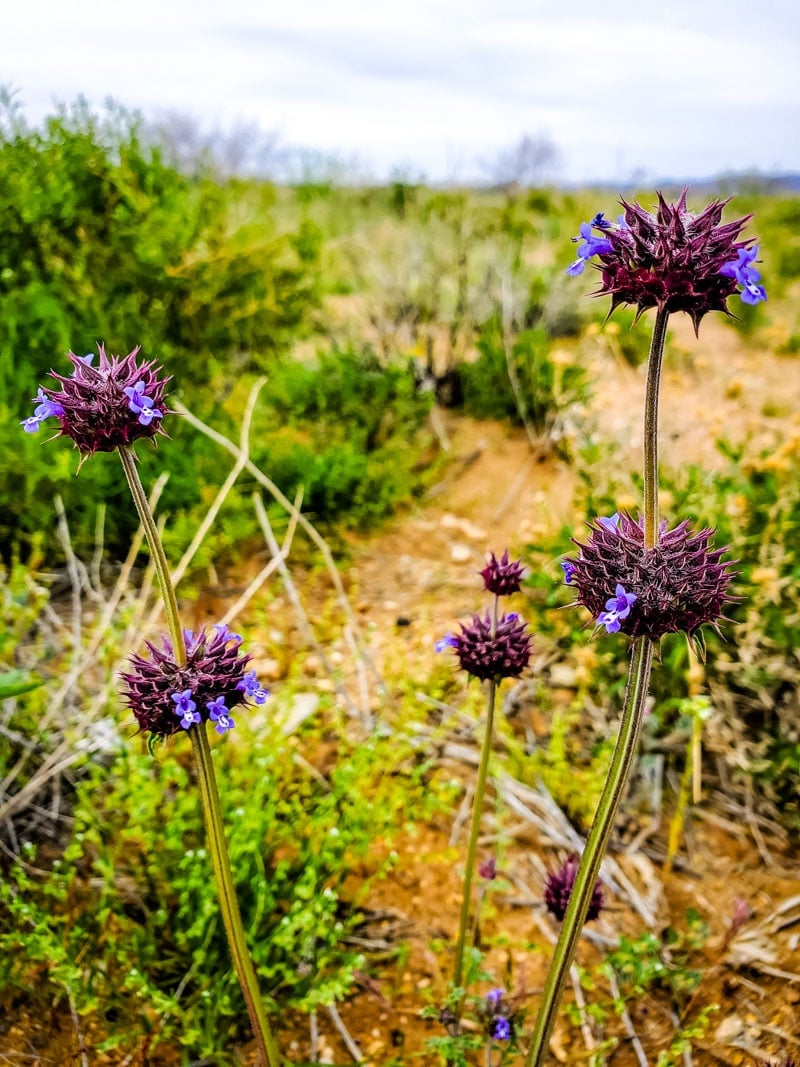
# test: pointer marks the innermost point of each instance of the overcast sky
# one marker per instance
(672, 89)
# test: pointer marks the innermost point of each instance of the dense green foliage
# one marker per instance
(100, 240)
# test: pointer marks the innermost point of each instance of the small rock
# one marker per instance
(729, 1030)
(563, 676)
(460, 553)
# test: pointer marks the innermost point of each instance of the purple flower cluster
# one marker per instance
(672, 259)
(677, 586)
(105, 407)
(165, 697)
(502, 576)
(491, 650)
(492, 647)
(558, 890)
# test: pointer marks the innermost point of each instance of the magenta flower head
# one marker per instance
(104, 407)
(165, 697)
(558, 890)
(675, 587)
(491, 652)
(673, 259)
(502, 576)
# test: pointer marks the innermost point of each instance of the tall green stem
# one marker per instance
(625, 750)
(209, 793)
(651, 430)
(621, 763)
(472, 848)
(226, 891)
(477, 812)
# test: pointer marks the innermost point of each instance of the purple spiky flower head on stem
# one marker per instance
(558, 889)
(106, 407)
(502, 576)
(491, 650)
(671, 259)
(166, 697)
(675, 587)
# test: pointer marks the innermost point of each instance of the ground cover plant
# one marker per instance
(385, 923)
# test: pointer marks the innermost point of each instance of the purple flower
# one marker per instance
(165, 696)
(251, 688)
(493, 997)
(490, 651)
(105, 407)
(183, 702)
(569, 570)
(226, 634)
(611, 522)
(500, 1029)
(502, 576)
(141, 404)
(589, 245)
(746, 275)
(45, 409)
(218, 714)
(672, 259)
(617, 607)
(488, 869)
(448, 641)
(558, 890)
(681, 583)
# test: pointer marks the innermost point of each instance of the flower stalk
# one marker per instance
(586, 878)
(209, 792)
(624, 756)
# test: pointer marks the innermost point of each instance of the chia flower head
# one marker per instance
(675, 587)
(558, 890)
(490, 651)
(105, 407)
(502, 576)
(165, 697)
(488, 868)
(673, 259)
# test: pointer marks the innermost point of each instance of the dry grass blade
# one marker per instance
(311, 531)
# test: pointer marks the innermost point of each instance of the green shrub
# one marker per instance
(547, 389)
(127, 924)
(101, 240)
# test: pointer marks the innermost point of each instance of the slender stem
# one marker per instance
(128, 457)
(651, 430)
(477, 811)
(209, 793)
(586, 878)
(226, 891)
(472, 848)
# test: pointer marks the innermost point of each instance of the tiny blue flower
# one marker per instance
(219, 714)
(31, 424)
(746, 275)
(589, 245)
(609, 522)
(183, 702)
(501, 1029)
(494, 996)
(569, 570)
(448, 641)
(609, 619)
(226, 634)
(250, 687)
(620, 603)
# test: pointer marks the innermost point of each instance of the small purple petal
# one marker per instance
(448, 641)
